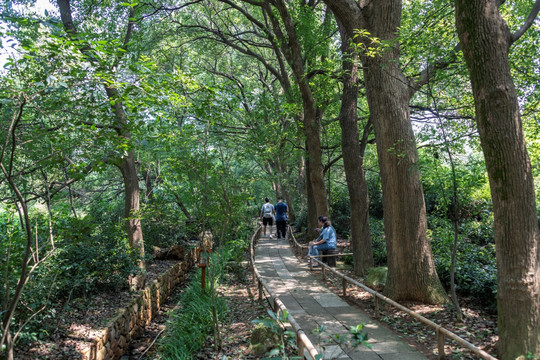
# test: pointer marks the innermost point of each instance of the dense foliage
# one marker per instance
(201, 98)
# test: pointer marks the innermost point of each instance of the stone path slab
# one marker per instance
(313, 305)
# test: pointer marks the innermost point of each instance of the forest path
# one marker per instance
(313, 305)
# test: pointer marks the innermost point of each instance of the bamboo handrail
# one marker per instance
(302, 339)
(439, 329)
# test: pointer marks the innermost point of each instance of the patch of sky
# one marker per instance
(8, 45)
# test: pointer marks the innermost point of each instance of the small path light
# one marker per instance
(203, 259)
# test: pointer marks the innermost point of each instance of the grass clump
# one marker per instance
(189, 325)
(198, 312)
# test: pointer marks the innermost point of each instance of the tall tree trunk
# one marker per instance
(311, 206)
(292, 50)
(485, 40)
(312, 128)
(353, 159)
(411, 270)
(131, 205)
(131, 181)
(126, 164)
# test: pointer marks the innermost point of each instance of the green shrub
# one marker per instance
(12, 243)
(301, 221)
(188, 326)
(82, 264)
(40, 291)
(162, 226)
(479, 232)
(376, 277)
(375, 195)
(476, 271)
(89, 255)
(237, 248)
(92, 258)
(340, 213)
(347, 257)
(378, 242)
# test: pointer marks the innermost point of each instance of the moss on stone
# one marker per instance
(263, 339)
(376, 278)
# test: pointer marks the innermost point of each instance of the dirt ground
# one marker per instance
(477, 327)
(77, 321)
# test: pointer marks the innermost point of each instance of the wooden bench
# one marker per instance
(330, 260)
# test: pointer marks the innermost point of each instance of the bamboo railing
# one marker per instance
(306, 350)
(441, 332)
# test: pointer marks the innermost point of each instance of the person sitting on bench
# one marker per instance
(327, 240)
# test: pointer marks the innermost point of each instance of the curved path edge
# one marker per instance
(313, 306)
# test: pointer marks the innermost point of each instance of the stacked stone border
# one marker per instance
(130, 321)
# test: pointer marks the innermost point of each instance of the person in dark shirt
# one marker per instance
(281, 218)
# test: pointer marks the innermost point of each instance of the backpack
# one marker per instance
(267, 210)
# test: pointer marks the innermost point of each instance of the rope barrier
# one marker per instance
(305, 346)
(440, 331)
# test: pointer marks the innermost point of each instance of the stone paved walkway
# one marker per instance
(312, 304)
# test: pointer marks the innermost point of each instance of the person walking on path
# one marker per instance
(281, 218)
(267, 215)
(327, 240)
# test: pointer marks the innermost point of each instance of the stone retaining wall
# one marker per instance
(130, 321)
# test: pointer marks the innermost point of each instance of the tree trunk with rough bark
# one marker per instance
(313, 139)
(485, 40)
(411, 270)
(311, 122)
(130, 176)
(353, 159)
(131, 205)
(126, 164)
(312, 222)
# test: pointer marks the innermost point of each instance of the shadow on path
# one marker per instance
(313, 305)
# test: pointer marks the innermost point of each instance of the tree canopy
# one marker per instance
(129, 125)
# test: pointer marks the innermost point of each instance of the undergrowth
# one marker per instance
(193, 319)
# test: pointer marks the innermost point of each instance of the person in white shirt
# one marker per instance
(267, 216)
